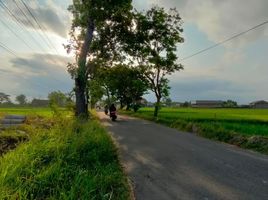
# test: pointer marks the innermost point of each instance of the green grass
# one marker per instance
(247, 128)
(203, 113)
(65, 159)
(45, 112)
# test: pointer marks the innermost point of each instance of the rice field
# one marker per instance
(244, 121)
(247, 128)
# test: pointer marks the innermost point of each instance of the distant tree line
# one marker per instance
(229, 104)
(55, 98)
(167, 102)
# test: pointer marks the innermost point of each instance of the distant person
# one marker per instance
(112, 108)
(106, 108)
(113, 115)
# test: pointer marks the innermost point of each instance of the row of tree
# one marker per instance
(120, 83)
(5, 99)
(116, 45)
(57, 98)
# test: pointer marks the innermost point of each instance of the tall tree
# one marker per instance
(57, 98)
(126, 84)
(96, 91)
(130, 85)
(92, 18)
(4, 98)
(21, 99)
(155, 36)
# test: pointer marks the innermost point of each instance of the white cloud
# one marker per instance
(222, 19)
(238, 70)
(35, 74)
(41, 64)
(49, 15)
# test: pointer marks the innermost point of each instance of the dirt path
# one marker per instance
(167, 164)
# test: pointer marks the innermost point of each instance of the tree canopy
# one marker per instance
(125, 84)
(93, 37)
(4, 98)
(21, 99)
(57, 98)
(155, 36)
(109, 34)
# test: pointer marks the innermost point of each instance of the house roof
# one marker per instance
(259, 102)
(209, 102)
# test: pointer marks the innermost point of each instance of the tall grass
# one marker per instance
(70, 160)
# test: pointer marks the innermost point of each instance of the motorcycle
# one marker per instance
(113, 115)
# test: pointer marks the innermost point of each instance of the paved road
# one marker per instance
(167, 164)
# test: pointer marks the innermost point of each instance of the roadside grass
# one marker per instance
(62, 159)
(247, 128)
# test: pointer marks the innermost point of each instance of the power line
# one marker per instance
(8, 11)
(224, 41)
(19, 23)
(41, 28)
(30, 22)
(23, 13)
(7, 49)
(23, 27)
(44, 36)
(10, 29)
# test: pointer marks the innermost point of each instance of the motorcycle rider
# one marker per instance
(112, 108)
(113, 112)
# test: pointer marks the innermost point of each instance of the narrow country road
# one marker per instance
(166, 164)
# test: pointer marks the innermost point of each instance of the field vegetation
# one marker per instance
(29, 111)
(247, 128)
(60, 158)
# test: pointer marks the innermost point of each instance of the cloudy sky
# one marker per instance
(236, 70)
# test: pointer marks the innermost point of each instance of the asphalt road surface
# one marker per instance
(164, 163)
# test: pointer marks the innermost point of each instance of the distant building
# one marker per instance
(244, 106)
(176, 104)
(40, 103)
(259, 104)
(142, 101)
(150, 104)
(207, 104)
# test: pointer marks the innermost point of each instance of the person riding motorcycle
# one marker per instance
(113, 112)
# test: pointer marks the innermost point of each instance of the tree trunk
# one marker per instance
(156, 107)
(81, 105)
(81, 79)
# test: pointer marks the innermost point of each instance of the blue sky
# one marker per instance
(236, 70)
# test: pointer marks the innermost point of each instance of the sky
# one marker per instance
(236, 70)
